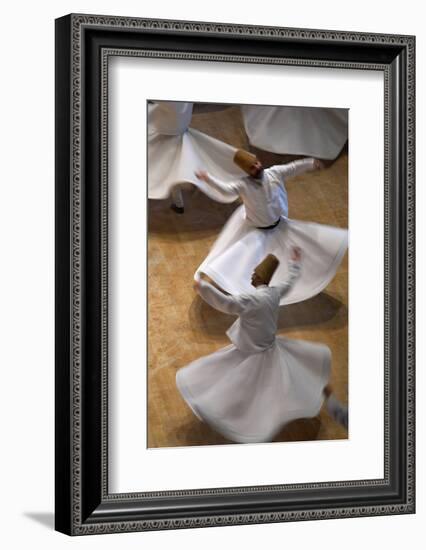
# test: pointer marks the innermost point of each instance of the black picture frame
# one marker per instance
(83, 45)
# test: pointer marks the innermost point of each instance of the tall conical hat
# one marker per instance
(266, 268)
(244, 160)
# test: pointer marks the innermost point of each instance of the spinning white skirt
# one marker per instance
(176, 151)
(240, 247)
(314, 132)
(247, 397)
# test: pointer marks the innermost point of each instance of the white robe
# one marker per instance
(311, 131)
(241, 246)
(176, 151)
(250, 389)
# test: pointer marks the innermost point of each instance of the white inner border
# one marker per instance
(133, 467)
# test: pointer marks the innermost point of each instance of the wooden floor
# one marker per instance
(182, 327)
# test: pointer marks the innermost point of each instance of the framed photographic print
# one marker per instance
(234, 274)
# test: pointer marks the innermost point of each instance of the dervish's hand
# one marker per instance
(196, 286)
(296, 254)
(202, 175)
(319, 164)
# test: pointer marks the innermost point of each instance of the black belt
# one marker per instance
(271, 226)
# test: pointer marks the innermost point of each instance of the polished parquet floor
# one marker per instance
(181, 327)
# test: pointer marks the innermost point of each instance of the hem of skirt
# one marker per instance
(326, 281)
(219, 280)
(187, 396)
(305, 152)
(237, 437)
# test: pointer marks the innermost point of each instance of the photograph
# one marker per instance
(247, 269)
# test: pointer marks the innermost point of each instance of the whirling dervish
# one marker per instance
(250, 389)
(175, 151)
(260, 226)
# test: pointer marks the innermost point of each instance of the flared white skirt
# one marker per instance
(247, 397)
(173, 159)
(241, 247)
(310, 131)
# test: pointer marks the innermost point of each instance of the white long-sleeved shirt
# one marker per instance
(255, 329)
(265, 198)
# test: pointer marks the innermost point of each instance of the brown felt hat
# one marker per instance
(266, 268)
(244, 160)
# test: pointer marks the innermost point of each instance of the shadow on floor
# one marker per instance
(303, 429)
(202, 215)
(196, 433)
(323, 309)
